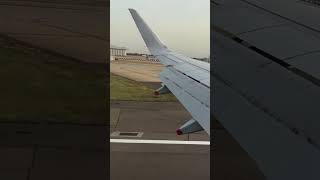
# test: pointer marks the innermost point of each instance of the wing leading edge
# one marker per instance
(186, 78)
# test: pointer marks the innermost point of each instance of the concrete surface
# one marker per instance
(158, 162)
(157, 120)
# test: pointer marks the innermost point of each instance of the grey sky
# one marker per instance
(183, 25)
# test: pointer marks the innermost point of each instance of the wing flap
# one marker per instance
(195, 103)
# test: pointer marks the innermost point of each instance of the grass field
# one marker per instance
(36, 86)
(128, 90)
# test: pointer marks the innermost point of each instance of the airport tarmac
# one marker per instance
(142, 71)
(76, 29)
(156, 121)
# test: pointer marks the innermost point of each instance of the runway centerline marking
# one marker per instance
(150, 141)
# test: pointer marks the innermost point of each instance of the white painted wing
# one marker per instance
(266, 75)
(186, 78)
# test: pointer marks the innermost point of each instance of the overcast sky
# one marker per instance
(183, 25)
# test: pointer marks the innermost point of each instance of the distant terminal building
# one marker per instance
(117, 52)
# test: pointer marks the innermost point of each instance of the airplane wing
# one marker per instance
(186, 78)
(266, 73)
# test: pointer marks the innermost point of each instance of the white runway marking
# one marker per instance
(148, 141)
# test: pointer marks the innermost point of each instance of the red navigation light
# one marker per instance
(179, 132)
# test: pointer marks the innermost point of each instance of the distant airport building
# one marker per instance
(120, 54)
(117, 52)
(137, 57)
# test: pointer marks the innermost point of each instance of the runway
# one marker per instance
(163, 155)
(132, 161)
